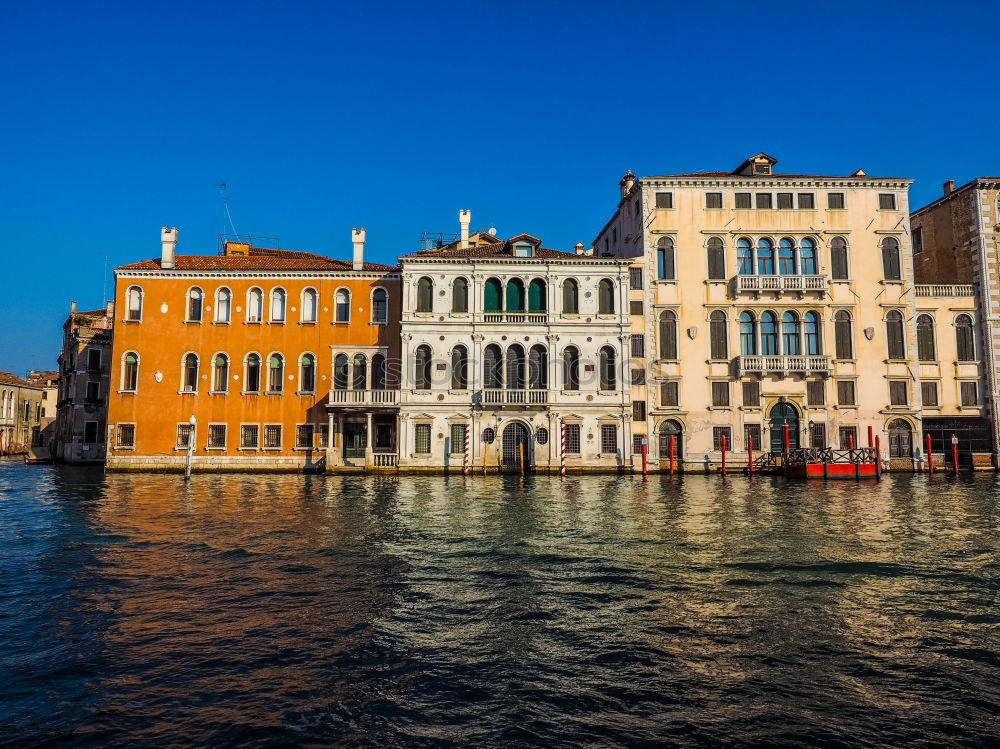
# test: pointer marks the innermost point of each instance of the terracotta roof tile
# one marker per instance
(6, 378)
(492, 249)
(259, 259)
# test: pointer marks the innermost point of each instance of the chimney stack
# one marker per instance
(168, 238)
(579, 248)
(626, 183)
(949, 187)
(72, 308)
(358, 238)
(464, 219)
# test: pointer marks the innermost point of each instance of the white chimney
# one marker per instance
(168, 237)
(464, 219)
(578, 247)
(358, 238)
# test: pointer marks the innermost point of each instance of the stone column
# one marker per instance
(369, 439)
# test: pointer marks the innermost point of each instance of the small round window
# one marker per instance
(542, 435)
(488, 436)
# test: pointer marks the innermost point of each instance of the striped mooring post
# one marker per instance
(562, 448)
(465, 460)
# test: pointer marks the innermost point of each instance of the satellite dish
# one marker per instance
(492, 231)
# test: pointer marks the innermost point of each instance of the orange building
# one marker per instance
(235, 355)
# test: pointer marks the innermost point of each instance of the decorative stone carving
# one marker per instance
(869, 333)
(692, 332)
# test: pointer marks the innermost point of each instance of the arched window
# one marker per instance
(459, 368)
(813, 335)
(133, 304)
(255, 305)
(839, 270)
(492, 367)
(538, 367)
(190, 377)
(277, 305)
(460, 295)
(748, 334)
(307, 373)
(786, 257)
(276, 373)
(492, 295)
(251, 383)
(341, 372)
(765, 257)
(668, 334)
(925, 338)
(744, 257)
(807, 257)
(571, 368)
(130, 371)
(360, 379)
(609, 375)
(223, 304)
(422, 368)
(380, 306)
(665, 266)
(537, 301)
(790, 334)
(964, 338)
(194, 304)
(342, 306)
(716, 259)
(220, 374)
(515, 367)
(890, 259)
(843, 337)
(605, 297)
(768, 334)
(571, 297)
(379, 375)
(514, 301)
(895, 342)
(718, 335)
(425, 295)
(309, 299)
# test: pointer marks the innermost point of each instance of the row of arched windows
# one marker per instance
(358, 373)
(965, 341)
(258, 372)
(277, 305)
(515, 296)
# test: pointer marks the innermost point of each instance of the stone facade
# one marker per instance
(20, 414)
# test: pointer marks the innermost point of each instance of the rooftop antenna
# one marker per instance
(225, 209)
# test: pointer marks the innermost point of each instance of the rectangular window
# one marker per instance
(763, 201)
(835, 201)
(216, 435)
(126, 435)
(818, 436)
(669, 392)
(272, 436)
(638, 410)
(929, 393)
(422, 439)
(635, 277)
(845, 393)
(713, 200)
(94, 360)
(609, 439)
(848, 437)
(638, 376)
(324, 435)
(886, 201)
(457, 439)
(743, 201)
(717, 434)
(183, 436)
(249, 435)
(807, 201)
(752, 432)
(93, 391)
(573, 439)
(304, 435)
(664, 200)
(720, 394)
(638, 345)
(637, 444)
(816, 392)
(90, 432)
(969, 392)
(917, 238)
(751, 394)
(635, 307)
(784, 200)
(897, 393)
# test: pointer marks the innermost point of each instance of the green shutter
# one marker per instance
(491, 301)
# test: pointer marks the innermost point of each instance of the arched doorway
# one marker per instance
(781, 414)
(671, 428)
(515, 439)
(900, 439)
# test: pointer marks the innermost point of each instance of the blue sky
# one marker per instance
(120, 118)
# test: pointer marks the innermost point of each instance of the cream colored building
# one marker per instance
(778, 299)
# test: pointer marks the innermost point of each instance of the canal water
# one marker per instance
(270, 610)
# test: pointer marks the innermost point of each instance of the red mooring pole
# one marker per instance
(954, 452)
(930, 456)
(850, 441)
(788, 444)
(750, 453)
(644, 444)
(878, 457)
(870, 444)
(723, 455)
(672, 454)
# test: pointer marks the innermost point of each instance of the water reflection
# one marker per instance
(496, 611)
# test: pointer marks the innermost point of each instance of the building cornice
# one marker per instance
(257, 274)
(761, 183)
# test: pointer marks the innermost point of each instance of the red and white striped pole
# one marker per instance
(465, 461)
(562, 448)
